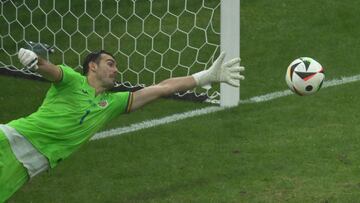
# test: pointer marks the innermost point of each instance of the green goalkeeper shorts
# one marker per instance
(12, 173)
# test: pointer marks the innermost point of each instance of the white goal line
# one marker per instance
(278, 94)
(207, 110)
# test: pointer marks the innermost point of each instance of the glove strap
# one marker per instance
(33, 65)
(201, 78)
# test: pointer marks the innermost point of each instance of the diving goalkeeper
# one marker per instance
(76, 106)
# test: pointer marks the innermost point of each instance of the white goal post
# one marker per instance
(151, 39)
(230, 43)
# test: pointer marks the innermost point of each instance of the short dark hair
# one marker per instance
(93, 57)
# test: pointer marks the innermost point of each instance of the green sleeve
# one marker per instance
(69, 76)
(123, 102)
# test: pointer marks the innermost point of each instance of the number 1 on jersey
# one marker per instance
(84, 116)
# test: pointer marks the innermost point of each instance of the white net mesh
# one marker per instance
(151, 39)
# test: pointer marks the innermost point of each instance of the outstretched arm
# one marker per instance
(164, 88)
(34, 62)
(228, 72)
(48, 70)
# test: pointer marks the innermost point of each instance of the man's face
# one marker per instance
(106, 71)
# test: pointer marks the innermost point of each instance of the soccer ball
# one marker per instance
(305, 76)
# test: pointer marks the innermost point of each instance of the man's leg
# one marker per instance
(12, 173)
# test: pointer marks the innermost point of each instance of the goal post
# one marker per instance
(230, 43)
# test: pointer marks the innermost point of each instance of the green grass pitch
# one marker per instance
(292, 149)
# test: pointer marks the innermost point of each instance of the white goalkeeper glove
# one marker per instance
(28, 58)
(228, 72)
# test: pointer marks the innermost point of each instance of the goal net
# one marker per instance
(151, 39)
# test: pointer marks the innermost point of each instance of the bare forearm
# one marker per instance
(164, 88)
(178, 84)
(48, 70)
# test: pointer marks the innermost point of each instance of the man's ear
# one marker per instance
(92, 66)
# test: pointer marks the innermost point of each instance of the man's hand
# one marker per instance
(28, 58)
(228, 72)
(45, 68)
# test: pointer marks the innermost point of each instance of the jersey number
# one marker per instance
(84, 116)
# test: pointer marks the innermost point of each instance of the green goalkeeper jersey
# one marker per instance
(70, 115)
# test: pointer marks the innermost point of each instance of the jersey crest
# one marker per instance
(103, 103)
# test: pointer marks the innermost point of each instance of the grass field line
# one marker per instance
(181, 116)
(156, 122)
(278, 94)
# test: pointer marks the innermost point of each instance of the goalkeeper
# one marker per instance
(76, 106)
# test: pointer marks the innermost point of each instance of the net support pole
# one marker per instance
(230, 43)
